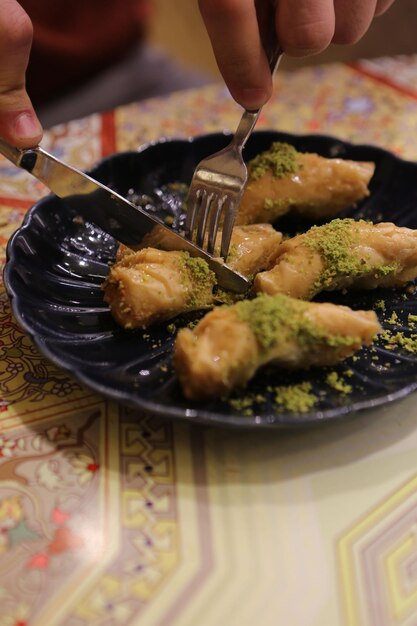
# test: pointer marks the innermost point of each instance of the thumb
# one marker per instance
(19, 124)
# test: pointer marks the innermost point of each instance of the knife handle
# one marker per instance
(13, 154)
(24, 158)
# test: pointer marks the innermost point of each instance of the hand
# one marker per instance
(303, 27)
(18, 122)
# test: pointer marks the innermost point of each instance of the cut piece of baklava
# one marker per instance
(282, 180)
(150, 286)
(252, 247)
(231, 343)
(342, 254)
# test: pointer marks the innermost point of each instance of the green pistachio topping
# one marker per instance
(335, 242)
(280, 159)
(276, 205)
(277, 318)
(276, 208)
(200, 279)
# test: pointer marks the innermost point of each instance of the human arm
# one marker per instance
(302, 31)
(19, 124)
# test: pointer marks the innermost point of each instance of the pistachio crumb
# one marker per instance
(412, 320)
(296, 398)
(393, 319)
(243, 405)
(336, 382)
(399, 339)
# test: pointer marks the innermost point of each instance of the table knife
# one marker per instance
(103, 206)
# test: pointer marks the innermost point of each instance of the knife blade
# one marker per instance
(112, 212)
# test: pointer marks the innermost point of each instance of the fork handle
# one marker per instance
(245, 128)
(249, 118)
(248, 121)
(266, 19)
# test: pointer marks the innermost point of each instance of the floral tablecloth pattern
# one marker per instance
(109, 517)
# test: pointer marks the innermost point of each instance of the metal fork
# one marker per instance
(219, 180)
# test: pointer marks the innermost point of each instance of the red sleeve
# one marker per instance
(74, 40)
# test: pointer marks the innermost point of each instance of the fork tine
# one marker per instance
(206, 200)
(214, 223)
(228, 223)
(193, 204)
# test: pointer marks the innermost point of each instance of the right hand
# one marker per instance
(303, 27)
(19, 124)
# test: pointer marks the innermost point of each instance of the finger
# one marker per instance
(382, 6)
(353, 18)
(233, 30)
(18, 122)
(305, 27)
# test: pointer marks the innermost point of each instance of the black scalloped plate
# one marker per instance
(56, 264)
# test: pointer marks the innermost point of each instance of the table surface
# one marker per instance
(109, 517)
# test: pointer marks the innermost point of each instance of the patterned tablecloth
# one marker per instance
(108, 517)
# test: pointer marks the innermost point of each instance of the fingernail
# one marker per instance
(27, 125)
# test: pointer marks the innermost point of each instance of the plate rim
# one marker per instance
(288, 420)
